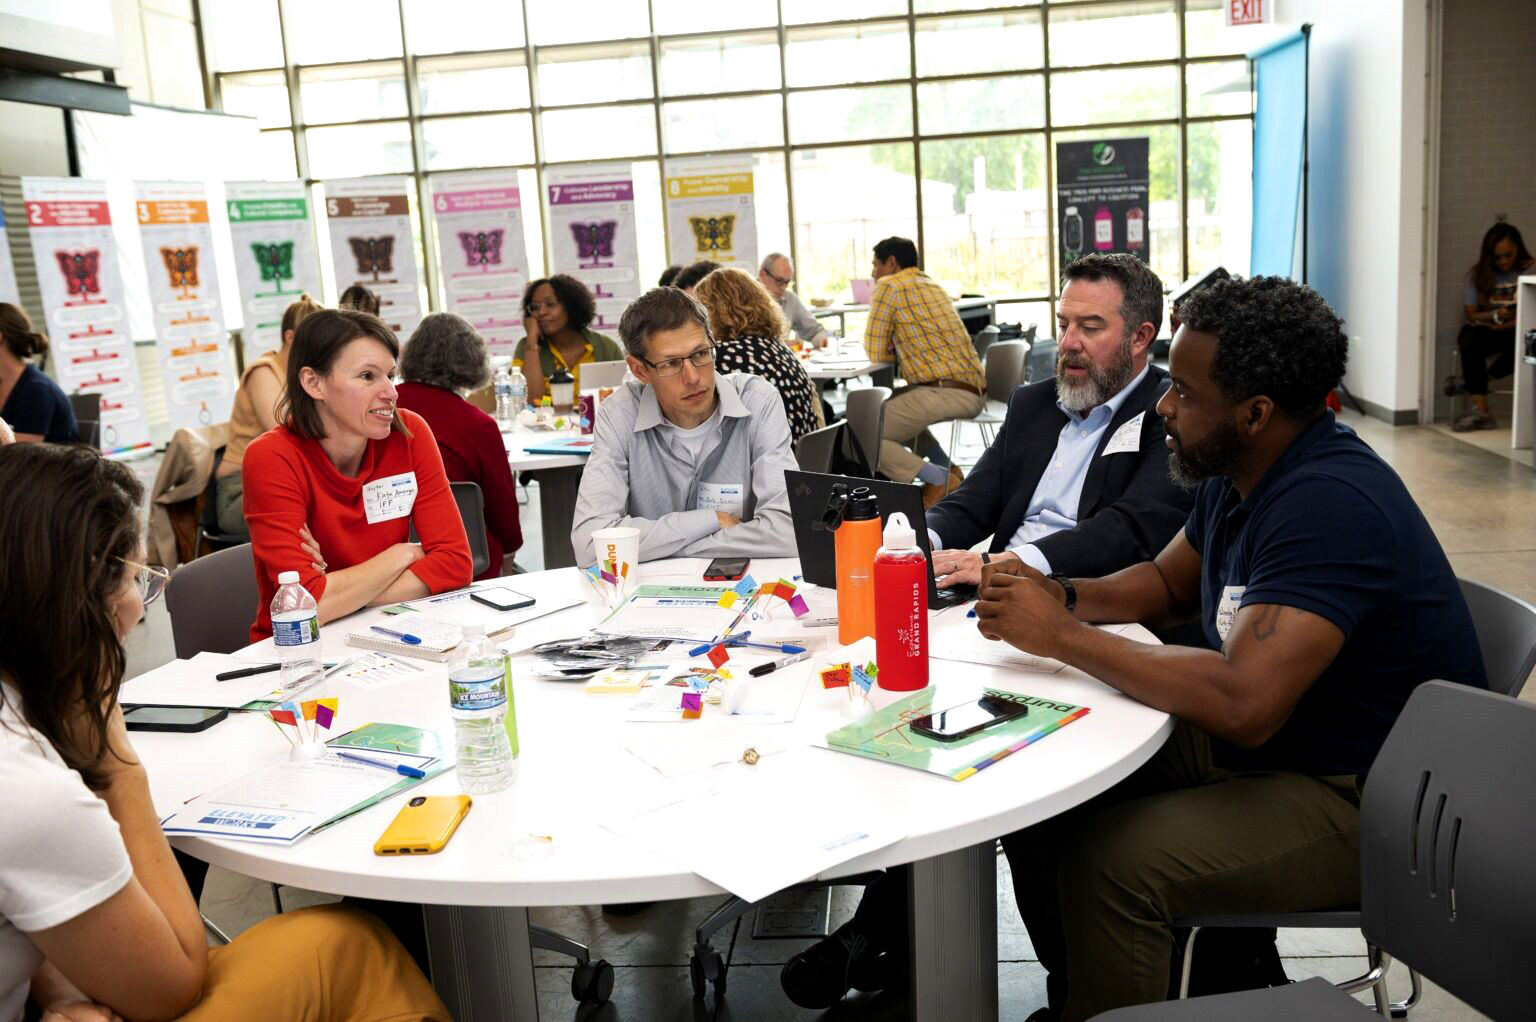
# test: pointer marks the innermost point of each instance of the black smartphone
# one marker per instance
(172, 718)
(967, 719)
(726, 569)
(501, 598)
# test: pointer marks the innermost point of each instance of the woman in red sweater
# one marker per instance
(332, 492)
(444, 359)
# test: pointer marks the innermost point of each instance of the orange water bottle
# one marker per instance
(856, 541)
(901, 609)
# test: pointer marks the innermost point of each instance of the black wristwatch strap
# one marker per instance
(1068, 587)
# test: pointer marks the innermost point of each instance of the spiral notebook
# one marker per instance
(438, 638)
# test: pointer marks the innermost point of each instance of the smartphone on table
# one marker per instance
(186, 719)
(967, 719)
(501, 598)
(726, 569)
(423, 826)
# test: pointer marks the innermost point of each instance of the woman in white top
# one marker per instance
(96, 921)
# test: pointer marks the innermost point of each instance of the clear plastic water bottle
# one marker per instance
(296, 632)
(484, 717)
(519, 390)
(505, 413)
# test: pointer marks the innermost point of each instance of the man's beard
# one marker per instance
(1101, 383)
(1216, 455)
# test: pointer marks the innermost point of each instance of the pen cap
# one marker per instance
(287, 578)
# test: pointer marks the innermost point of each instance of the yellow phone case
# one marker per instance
(423, 825)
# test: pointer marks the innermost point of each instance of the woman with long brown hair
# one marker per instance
(749, 331)
(96, 921)
(30, 401)
(1489, 308)
(254, 412)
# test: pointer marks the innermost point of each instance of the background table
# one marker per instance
(574, 775)
(559, 477)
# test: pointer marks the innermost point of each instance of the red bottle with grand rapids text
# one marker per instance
(901, 609)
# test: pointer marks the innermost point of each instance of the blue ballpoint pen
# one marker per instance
(409, 640)
(399, 768)
(741, 640)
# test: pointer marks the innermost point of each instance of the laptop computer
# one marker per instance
(808, 495)
(603, 374)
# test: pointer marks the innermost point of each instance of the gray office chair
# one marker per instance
(985, 338)
(865, 415)
(1447, 864)
(1506, 633)
(472, 509)
(212, 602)
(815, 450)
(1004, 365)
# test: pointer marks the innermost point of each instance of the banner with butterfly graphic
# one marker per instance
(275, 260)
(9, 292)
(592, 234)
(482, 252)
(372, 245)
(81, 285)
(711, 211)
(190, 338)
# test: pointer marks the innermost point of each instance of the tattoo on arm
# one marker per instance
(1267, 624)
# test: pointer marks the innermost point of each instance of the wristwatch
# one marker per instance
(1067, 587)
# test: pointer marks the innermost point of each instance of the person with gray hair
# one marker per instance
(776, 273)
(693, 459)
(445, 359)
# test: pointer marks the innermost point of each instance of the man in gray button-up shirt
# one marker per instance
(775, 274)
(692, 459)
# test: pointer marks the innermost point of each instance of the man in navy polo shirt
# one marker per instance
(1329, 599)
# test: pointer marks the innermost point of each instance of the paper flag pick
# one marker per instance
(609, 576)
(786, 588)
(746, 586)
(728, 598)
(693, 701)
(325, 712)
(797, 604)
(284, 717)
(624, 570)
(862, 678)
(309, 708)
(835, 676)
(718, 655)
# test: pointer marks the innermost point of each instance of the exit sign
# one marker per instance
(1248, 12)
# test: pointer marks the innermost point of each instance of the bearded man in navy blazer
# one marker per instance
(1076, 481)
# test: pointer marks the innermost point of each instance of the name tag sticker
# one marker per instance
(727, 497)
(1127, 437)
(389, 498)
(1226, 609)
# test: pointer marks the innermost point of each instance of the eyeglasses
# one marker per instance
(781, 281)
(672, 366)
(150, 582)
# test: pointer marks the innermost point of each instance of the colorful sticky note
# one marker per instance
(309, 708)
(285, 717)
(728, 598)
(718, 654)
(786, 588)
(746, 587)
(693, 700)
(797, 605)
(835, 676)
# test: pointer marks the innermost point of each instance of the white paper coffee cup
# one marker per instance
(621, 545)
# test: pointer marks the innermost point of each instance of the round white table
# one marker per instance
(574, 775)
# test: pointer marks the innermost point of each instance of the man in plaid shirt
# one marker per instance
(912, 322)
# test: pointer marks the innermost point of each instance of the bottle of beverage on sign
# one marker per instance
(1072, 232)
(855, 542)
(295, 631)
(1103, 229)
(1135, 229)
(484, 717)
(901, 609)
(505, 413)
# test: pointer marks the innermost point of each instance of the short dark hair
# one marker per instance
(1141, 290)
(691, 274)
(669, 275)
(1273, 337)
(446, 352)
(660, 308)
(579, 305)
(359, 298)
(316, 343)
(902, 248)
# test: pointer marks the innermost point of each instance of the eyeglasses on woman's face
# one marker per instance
(672, 366)
(150, 582)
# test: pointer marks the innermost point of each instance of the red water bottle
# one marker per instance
(901, 609)
(856, 540)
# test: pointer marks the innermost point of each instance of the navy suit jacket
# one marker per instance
(1129, 508)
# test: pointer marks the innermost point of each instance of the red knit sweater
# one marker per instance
(289, 481)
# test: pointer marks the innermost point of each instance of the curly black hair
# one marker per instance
(690, 275)
(580, 307)
(1273, 337)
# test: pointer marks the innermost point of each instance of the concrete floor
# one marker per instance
(1479, 501)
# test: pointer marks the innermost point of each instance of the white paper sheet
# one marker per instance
(672, 756)
(458, 608)
(959, 640)
(754, 839)
(379, 670)
(191, 683)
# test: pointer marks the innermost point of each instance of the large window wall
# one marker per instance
(934, 119)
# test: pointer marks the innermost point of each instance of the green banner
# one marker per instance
(268, 209)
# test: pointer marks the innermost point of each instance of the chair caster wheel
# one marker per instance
(706, 965)
(696, 976)
(592, 982)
